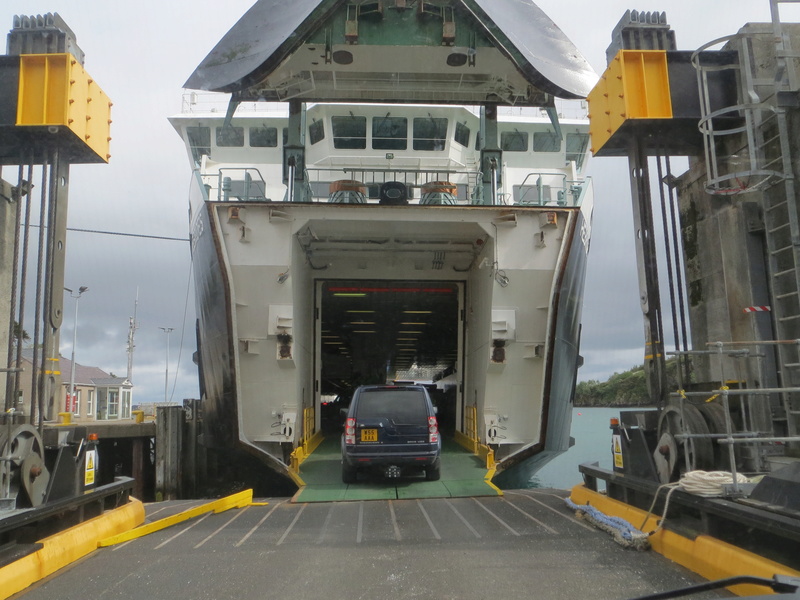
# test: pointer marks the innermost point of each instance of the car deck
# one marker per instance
(463, 475)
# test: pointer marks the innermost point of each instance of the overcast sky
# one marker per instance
(140, 53)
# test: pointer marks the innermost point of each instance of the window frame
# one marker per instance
(507, 136)
(419, 143)
(389, 143)
(348, 141)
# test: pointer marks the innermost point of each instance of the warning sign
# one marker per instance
(91, 466)
(616, 442)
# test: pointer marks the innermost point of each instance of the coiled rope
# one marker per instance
(708, 484)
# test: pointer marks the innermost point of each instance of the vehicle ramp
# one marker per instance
(462, 475)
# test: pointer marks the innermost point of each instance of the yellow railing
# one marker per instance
(309, 441)
(308, 424)
(470, 440)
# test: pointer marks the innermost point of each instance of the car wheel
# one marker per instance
(433, 472)
(349, 474)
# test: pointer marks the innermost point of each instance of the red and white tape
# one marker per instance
(751, 309)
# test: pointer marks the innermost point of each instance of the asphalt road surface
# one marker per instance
(527, 544)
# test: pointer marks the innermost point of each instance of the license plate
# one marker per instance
(369, 435)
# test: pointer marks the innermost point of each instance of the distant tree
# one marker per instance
(20, 334)
(628, 388)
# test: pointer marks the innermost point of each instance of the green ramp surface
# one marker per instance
(462, 475)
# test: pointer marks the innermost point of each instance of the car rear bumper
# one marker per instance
(418, 458)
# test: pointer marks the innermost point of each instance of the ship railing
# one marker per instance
(549, 189)
(235, 184)
(414, 179)
(545, 189)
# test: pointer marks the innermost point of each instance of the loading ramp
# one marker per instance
(463, 474)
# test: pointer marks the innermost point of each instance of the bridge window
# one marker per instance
(316, 132)
(576, 147)
(230, 137)
(349, 133)
(389, 133)
(514, 141)
(546, 141)
(462, 134)
(199, 142)
(264, 137)
(430, 133)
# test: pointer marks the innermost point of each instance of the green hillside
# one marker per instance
(622, 389)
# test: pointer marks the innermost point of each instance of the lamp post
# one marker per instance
(166, 330)
(77, 297)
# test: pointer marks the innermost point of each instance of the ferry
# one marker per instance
(390, 194)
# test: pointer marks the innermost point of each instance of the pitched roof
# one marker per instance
(255, 58)
(83, 375)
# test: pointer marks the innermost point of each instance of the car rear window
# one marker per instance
(404, 406)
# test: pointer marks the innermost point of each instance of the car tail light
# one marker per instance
(350, 431)
(433, 430)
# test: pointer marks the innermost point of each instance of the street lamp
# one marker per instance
(166, 330)
(81, 290)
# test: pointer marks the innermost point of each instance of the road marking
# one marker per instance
(498, 519)
(163, 508)
(560, 514)
(325, 524)
(397, 535)
(532, 518)
(428, 519)
(463, 520)
(223, 526)
(181, 532)
(360, 528)
(291, 525)
(118, 546)
(256, 526)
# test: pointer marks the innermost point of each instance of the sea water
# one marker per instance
(590, 428)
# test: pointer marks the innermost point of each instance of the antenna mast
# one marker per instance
(132, 327)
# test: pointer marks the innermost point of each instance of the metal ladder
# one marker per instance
(764, 165)
(781, 222)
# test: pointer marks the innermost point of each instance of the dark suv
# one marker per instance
(393, 429)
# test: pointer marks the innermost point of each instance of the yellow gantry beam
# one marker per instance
(56, 91)
(634, 86)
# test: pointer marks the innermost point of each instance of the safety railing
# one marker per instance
(235, 184)
(752, 427)
(310, 439)
(416, 181)
(550, 189)
(422, 186)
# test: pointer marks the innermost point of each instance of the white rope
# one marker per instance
(708, 484)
